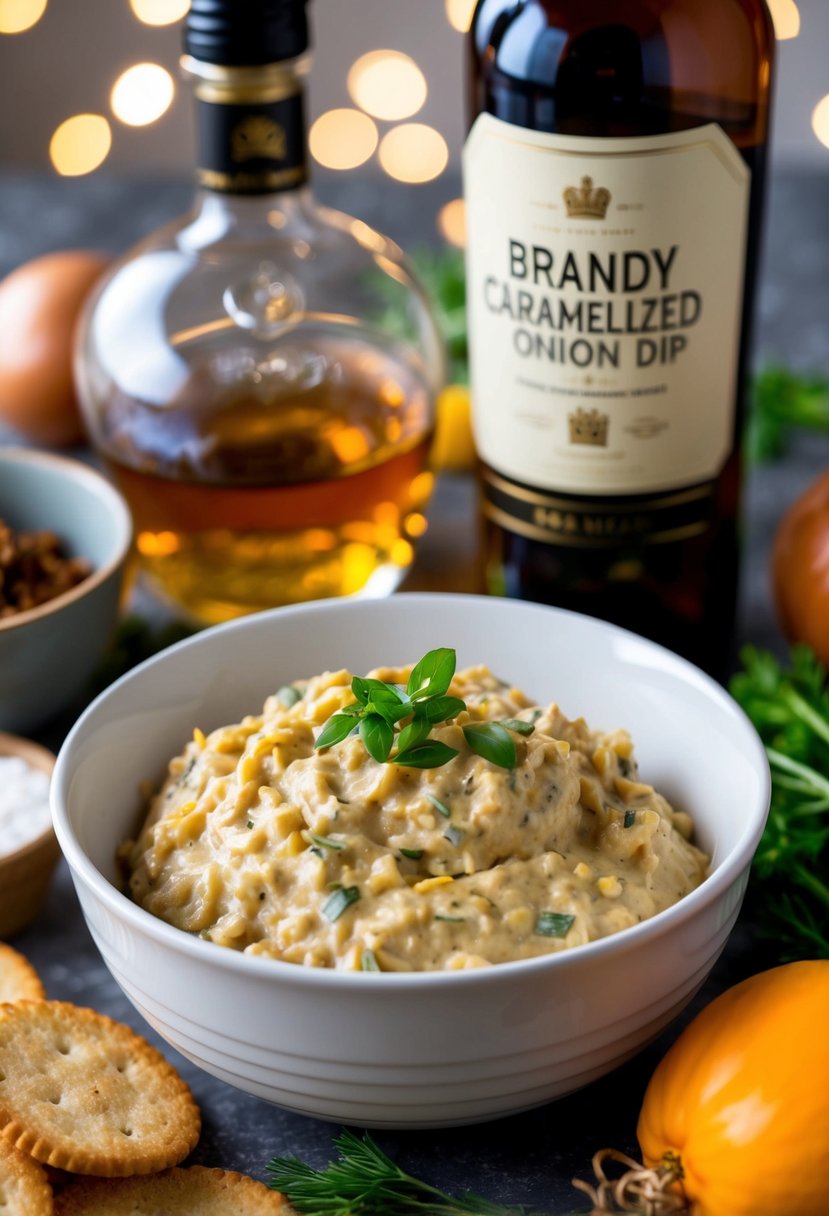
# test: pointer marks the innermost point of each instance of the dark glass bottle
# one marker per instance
(614, 180)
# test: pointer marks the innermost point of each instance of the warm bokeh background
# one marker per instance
(67, 55)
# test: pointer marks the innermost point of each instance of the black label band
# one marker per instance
(597, 523)
(252, 148)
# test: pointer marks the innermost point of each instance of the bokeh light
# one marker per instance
(387, 84)
(820, 120)
(786, 18)
(19, 15)
(452, 222)
(343, 139)
(142, 94)
(80, 144)
(159, 12)
(459, 14)
(414, 153)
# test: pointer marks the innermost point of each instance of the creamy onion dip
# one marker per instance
(329, 859)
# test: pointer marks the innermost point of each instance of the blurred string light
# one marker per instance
(343, 139)
(80, 144)
(414, 153)
(387, 84)
(786, 18)
(459, 14)
(159, 12)
(820, 121)
(452, 222)
(19, 15)
(142, 94)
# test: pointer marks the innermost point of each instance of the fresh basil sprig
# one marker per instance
(425, 702)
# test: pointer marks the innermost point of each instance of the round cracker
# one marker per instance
(175, 1193)
(87, 1094)
(18, 979)
(24, 1190)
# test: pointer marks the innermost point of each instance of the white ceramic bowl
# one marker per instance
(428, 1049)
(48, 654)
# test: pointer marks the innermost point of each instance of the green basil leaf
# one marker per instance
(440, 709)
(553, 924)
(288, 695)
(490, 740)
(392, 711)
(415, 732)
(517, 725)
(378, 736)
(433, 674)
(335, 730)
(430, 754)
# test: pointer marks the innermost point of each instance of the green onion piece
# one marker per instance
(369, 962)
(439, 806)
(518, 725)
(288, 695)
(412, 854)
(553, 924)
(630, 818)
(453, 835)
(322, 842)
(338, 901)
(250, 823)
(451, 920)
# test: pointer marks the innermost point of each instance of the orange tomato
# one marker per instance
(800, 569)
(742, 1098)
(39, 305)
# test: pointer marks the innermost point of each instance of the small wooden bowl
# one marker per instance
(26, 873)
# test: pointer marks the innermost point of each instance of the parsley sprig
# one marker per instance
(790, 709)
(365, 1182)
(392, 719)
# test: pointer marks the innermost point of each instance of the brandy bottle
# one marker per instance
(614, 180)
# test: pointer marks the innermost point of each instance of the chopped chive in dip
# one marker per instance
(250, 823)
(288, 695)
(338, 901)
(630, 818)
(553, 924)
(321, 842)
(439, 806)
(412, 854)
(369, 962)
(453, 835)
(450, 920)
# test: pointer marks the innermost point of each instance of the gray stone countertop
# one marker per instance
(528, 1158)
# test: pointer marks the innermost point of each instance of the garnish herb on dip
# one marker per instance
(412, 820)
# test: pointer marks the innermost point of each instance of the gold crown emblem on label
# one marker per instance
(587, 200)
(589, 428)
(258, 136)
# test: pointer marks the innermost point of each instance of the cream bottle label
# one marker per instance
(605, 292)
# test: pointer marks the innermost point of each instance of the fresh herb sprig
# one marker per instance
(790, 709)
(388, 716)
(365, 1182)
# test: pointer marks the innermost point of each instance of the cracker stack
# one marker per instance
(82, 1093)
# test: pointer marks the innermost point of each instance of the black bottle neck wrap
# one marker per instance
(251, 128)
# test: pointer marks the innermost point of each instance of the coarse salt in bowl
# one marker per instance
(429, 1048)
(28, 849)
